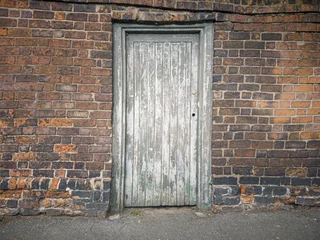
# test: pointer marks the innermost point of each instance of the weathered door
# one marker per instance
(161, 119)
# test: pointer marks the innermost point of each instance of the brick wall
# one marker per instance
(266, 125)
(56, 101)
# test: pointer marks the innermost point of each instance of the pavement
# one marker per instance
(168, 223)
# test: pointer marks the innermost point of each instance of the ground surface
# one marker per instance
(181, 223)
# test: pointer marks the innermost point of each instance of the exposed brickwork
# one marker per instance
(56, 101)
(266, 136)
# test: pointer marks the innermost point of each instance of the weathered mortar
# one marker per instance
(56, 101)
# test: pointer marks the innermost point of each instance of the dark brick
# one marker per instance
(285, 181)
(97, 196)
(84, 7)
(255, 190)
(264, 200)
(316, 181)
(254, 45)
(277, 171)
(101, 54)
(269, 181)
(62, 165)
(313, 144)
(61, 25)
(220, 53)
(271, 36)
(295, 144)
(77, 174)
(95, 173)
(250, 53)
(62, 185)
(249, 180)
(43, 14)
(42, 148)
(61, 7)
(233, 44)
(225, 181)
(83, 184)
(270, 54)
(6, 156)
(279, 191)
(4, 12)
(43, 173)
(12, 203)
(82, 194)
(72, 184)
(47, 156)
(4, 173)
(239, 36)
(231, 200)
(4, 184)
(105, 197)
(262, 96)
(44, 184)
(301, 181)
(267, 191)
(77, 16)
(277, 154)
(35, 184)
(305, 201)
(68, 131)
(40, 5)
(106, 185)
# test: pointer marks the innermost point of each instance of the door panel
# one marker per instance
(161, 119)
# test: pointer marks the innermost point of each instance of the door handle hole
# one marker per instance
(193, 114)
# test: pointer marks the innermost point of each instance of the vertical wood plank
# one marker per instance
(158, 124)
(188, 116)
(194, 124)
(133, 186)
(151, 124)
(142, 162)
(181, 127)
(173, 123)
(129, 153)
(166, 125)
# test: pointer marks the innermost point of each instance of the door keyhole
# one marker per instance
(193, 114)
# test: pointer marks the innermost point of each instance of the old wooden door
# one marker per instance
(161, 119)
(162, 115)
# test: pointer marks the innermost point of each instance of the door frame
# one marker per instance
(120, 31)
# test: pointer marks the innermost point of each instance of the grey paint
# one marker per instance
(132, 104)
(161, 133)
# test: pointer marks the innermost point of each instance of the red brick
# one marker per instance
(62, 61)
(57, 122)
(303, 88)
(26, 140)
(84, 62)
(75, 34)
(46, 70)
(314, 111)
(284, 112)
(244, 152)
(255, 136)
(65, 148)
(39, 24)
(86, 105)
(310, 135)
(298, 71)
(302, 120)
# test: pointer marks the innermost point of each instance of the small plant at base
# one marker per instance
(136, 213)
